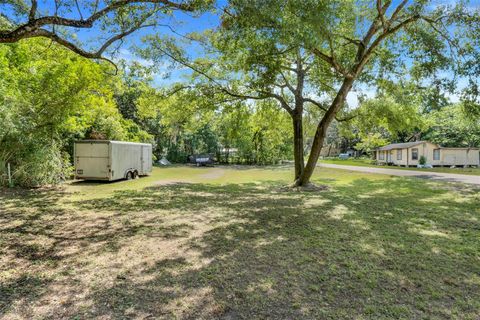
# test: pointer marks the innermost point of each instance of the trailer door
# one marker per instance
(92, 161)
(146, 159)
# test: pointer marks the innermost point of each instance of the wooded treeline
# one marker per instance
(51, 97)
(271, 81)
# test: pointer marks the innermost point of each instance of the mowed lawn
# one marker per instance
(230, 243)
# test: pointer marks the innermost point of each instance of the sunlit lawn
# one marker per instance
(369, 163)
(229, 243)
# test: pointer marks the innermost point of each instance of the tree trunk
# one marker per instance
(298, 144)
(322, 131)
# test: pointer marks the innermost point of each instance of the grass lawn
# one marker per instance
(228, 243)
(368, 163)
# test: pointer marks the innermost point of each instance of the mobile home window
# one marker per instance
(399, 154)
(436, 154)
(381, 155)
(415, 154)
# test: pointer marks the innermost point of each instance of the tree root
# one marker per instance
(310, 187)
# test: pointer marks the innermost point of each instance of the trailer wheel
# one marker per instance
(129, 175)
(135, 175)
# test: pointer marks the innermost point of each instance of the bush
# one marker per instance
(36, 165)
(422, 160)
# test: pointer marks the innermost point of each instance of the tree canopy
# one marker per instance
(271, 81)
(298, 53)
(113, 20)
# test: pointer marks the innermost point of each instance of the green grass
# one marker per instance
(228, 243)
(369, 163)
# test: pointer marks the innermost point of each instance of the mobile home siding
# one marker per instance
(447, 156)
(460, 156)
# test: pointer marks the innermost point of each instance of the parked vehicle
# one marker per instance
(202, 160)
(111, 160)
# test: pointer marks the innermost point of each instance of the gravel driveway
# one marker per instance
(449, 177)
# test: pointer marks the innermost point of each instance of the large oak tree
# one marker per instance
(267, 49)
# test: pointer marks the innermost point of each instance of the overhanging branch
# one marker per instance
(37, 27)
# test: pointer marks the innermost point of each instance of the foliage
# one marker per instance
(50, 97)
(186, 122)
(385, 119)
(386, 116)
(110, 21)
(315, 52)
(453, 127)
(370, 142)
(422, 161)
(259, 132)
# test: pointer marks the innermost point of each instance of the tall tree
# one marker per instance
(262, 67)
(350, 43)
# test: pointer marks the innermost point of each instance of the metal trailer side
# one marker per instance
(130, 157)
(111, 160)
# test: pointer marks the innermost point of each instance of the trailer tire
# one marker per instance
(129, 175)
(135, 175)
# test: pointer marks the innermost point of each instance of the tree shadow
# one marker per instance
(397, 248)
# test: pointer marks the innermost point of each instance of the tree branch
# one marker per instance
(33, 10)
(35, 27)
(381, 13)
(78, 9)
(262, 94)
(316, 103)
(330, 60)
(93, 55)
(368, 53)
(287, 83)
(325, 108)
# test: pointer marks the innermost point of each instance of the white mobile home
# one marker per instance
(111, 160)
(409, 154)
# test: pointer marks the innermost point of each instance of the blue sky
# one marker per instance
(183, 23)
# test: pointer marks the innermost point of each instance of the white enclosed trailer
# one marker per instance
(111, 160)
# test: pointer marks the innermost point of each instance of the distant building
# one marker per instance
(329, 150)
(408, 154)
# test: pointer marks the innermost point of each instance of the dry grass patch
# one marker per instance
(222, 250)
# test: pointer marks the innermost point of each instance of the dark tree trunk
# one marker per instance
(322, 132)
(298, 144)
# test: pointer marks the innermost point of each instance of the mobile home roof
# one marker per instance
(401, 145)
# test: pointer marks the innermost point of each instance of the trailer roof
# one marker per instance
(113, 142)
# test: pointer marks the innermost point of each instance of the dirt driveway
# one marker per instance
(448, 177)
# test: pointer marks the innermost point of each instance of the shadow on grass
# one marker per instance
(373, 249)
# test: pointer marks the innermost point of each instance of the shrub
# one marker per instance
(35, 165)
(422, 160)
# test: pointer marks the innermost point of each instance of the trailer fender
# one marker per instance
(131, 172)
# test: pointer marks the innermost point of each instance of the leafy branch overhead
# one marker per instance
(308, 53)
(116, 20)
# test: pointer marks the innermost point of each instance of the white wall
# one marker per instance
(448, 156)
